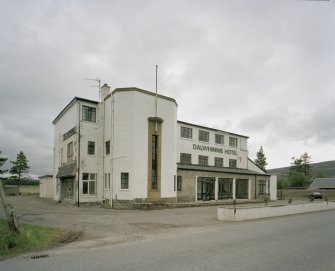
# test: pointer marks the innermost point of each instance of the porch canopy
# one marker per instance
(67, 170)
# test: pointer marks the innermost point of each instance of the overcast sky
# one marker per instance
(264, 69)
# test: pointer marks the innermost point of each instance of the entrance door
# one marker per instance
(206, 188)
(67, 191)
(242, 186)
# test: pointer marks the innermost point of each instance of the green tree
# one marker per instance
(2, 161)
(20, 165)
(261, 159)
(302, 164)
(297, 179)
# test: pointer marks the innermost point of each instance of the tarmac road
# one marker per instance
(301, 242)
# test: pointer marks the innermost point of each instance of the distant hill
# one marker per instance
(327, 168)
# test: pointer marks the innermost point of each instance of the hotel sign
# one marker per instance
(214, 149)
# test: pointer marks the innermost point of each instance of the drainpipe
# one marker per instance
(78, 170)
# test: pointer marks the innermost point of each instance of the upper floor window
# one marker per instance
(232, 163)
(108, 147)
(185, 158)
(203, 160)
(185, 132)
(219, 139)
(91, 147)
(203, 136)
(233, 142)
(218, 162)
(89, 113)
(70, 149)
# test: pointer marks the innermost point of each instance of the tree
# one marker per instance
(2, 161)
(261, 159)
(302, 164)
(20, 165)
(297, 179)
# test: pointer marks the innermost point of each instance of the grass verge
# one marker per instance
(31, 238)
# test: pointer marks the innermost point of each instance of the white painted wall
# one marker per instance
(46, 187)
(185, 145)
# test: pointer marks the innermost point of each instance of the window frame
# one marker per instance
(88, 113)
(203, 136)
(89, 180)
(107, 147)
(186, 132)
(202, 160)
(124, 181)
(69, 149)
(185, 157)
(218, 162)
(232, 162)
(233, 142)
(90, 147)
(219, 136)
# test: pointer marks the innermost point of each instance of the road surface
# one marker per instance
(302, 242)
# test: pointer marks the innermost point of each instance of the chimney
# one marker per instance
(105, 91)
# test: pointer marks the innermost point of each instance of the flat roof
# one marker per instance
(220, 169)
(209, 128)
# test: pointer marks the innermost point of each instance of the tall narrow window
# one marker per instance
(124, 180)
(70, 149)
(108, 147)
(154, 152)
(91, 147)
(179, 183)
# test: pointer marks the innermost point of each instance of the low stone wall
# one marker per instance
(248, 213)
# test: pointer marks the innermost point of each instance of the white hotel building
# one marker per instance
(129, 148)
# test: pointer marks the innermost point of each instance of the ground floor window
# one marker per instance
(89, 183)
(262, 187)
(242, 188)
(225, 188)
(124, 180)
(206, 188)
(179, 183)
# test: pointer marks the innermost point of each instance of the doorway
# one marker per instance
(67, 191)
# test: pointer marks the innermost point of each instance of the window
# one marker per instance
(203, 160)
(70, 149)
(233, 142)
(218, 162)
(185, 158)
(88, 184)
(91, 147)
(185, 132)
(108, 147)
(124, 180)
(262, 187)
(154, 156)
(107, 180)
(203, 136)
(179, 179)
(88, 113)
(219, 139)
(232, 163)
